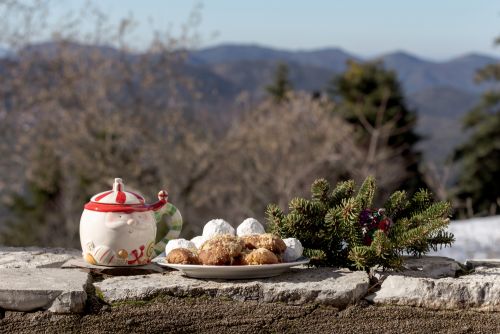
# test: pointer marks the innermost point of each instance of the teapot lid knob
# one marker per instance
(118, 184)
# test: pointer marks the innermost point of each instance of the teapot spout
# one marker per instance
(162, 200)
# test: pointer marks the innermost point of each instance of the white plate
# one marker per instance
(232, 272)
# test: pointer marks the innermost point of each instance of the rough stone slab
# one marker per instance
(56, 290)
(425, 266)
(36, 257)
(480, 290)
(149, 268)
(487, 263)
(431, 267)
(330, 286)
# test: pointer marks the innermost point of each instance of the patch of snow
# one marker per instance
(477, 238)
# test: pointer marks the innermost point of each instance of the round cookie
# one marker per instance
(198, 241)
(214, 257)
(179, 243)
(217, 226)
(250, 226)
(259, 256)
(182, 256)
(224, 243)
(267, 241)
(293, 250)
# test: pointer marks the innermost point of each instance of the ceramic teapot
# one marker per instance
(117, 228)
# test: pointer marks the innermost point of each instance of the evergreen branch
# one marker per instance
(320, 189)
(421, 200)
(274, 217)
(349, 226)
(359, 256)
(381, 244)
(396, 204)
(341, 229)
(342, 190)
(367, 192)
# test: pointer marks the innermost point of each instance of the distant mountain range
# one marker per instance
(440, 92)
(415, 73)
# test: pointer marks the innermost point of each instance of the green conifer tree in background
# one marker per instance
(339, 227)
(370, 97)
(480, 156)
(281, 85)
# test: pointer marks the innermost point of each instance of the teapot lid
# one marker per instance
(118, 199)
(118, 195)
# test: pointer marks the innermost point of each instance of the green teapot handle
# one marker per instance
(168, 226)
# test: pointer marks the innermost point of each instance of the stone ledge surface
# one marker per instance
(488, 263)
(479, 290)
(55, 290)
(335, 287)
(425, 266)
(36, 257)
(431, 267)
(30, 279)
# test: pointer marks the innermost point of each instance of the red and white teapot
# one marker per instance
(117, 228)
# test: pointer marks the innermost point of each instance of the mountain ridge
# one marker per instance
(414, 72)
(402, 52)
(440, 92)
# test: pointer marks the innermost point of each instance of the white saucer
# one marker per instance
(232, 272)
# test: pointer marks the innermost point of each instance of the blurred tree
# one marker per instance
(281, 85)
(370, 97)
(75, 114)
(274, 152)
(32, 211)
(267, 157)
(479, 157)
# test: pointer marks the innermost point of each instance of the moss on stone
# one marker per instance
(99, 294)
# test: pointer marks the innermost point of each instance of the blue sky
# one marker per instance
(437, 29)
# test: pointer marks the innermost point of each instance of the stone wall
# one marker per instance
(42, 279)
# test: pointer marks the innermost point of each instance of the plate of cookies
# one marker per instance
(222, 252)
